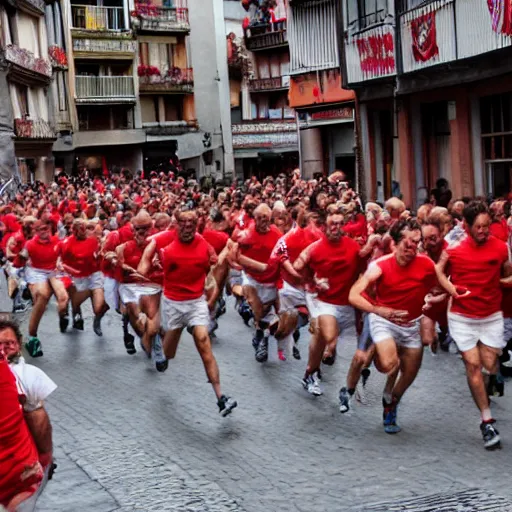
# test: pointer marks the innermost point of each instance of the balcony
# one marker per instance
(25, 67)
(33, 129)
(266, 35)
(104, 89)
(153, 18)
(176, 80)
(33, 7)
(269, 84)
(98, 48)
(167, 128)
(98, 18)
(265, 135)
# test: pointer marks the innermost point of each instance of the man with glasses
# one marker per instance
(186, 262)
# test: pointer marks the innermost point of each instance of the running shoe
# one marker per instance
(157, 353)
(21, 307)
(226, 405)
(490, 435)
(296, 335)
(296, 352)
(129, 344)
(262, 351)
(78, 322)
(221, 310)
(63, 323)
(280, 355)
(390, 417)
(25, 294)
(496, 386)
(244, 310)
(34, 347)
(257, 338)
(96, 326)
(345, 400)
(311, 383)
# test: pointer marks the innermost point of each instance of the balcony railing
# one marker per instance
(103, 46)
(32, 6)
(33, 129)
(267, 134)
(28, 61)
(269, 84)
(166, 128)
(93, 17)
(105, 89)
(161, 19)
(267, 35)
(176, 80)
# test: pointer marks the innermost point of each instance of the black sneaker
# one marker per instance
(345, 400)
(226, 405)
(365, 375)
(296, 335)
(490, 434)
(96, 326)
(262, 351)
(63, 323)
(296, 352)
(496, 386)
(78, 323)
(256, 339)
(129, 344)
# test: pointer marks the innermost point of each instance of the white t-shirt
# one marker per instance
(36, 385)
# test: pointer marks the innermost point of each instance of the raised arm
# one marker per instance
(147, 258)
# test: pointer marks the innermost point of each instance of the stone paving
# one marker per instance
(130, 439)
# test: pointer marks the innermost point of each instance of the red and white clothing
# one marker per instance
(42, 262)
(82, 258)
(217, 239)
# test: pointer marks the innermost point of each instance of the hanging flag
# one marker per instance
(424, 39)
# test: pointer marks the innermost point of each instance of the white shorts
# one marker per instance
(508, 329)
(290, 298)
(382, 329)
(467, 332)
(111, 289)
(311, 305)
(92, 282)
(345, 316)
(37, 275)
(235, 278)
(177, 314)
(132, 292)
(266, 293)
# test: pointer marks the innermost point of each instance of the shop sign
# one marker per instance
(328, 115)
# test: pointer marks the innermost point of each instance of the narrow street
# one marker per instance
(127, 438)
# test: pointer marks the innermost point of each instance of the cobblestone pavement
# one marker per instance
(128, 438)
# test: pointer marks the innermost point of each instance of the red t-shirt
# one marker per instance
(339, 263)
(17, 448)
(82, 255)
(110, 244)
(132, 255)
(19, 242)
(477, 268)
(43, 255)
(164, 238)
(404, 288)
(217, 239)
(357, 228)
(11, 226)
(500, 230)
(259, 247)
(185, 267)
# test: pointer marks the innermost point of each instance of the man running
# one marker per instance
(477, 264)
(186, 262)
(401, 280)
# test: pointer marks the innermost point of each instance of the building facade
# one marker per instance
(264, 128)
(325, 110)
(432, 80)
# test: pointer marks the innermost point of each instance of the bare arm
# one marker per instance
(147, 257)
(441, 276)
(40, 427)
(8, 250)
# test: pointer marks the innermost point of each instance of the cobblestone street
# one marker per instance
(127, 438)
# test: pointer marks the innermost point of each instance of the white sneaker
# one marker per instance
(312, 385)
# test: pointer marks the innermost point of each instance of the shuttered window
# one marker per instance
(312, 36)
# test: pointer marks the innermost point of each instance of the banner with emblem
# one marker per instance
(424, 37)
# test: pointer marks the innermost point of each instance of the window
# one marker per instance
(61, 92)
(362, 14)
(22, 97)
(144, 54)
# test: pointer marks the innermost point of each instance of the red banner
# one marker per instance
(376, 54)
(424, 38)
(501, 14)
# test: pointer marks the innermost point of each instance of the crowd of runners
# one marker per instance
(163, 255)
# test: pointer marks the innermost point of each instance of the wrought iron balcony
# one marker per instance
(161, 19)
(33, 129)
(105, 89)
(265, 134)
(269, 84)
(167, 128)
(176, 80)
(98, 18)
(25, 67)
(93, 46)
(267, 35)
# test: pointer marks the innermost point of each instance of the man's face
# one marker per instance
(9, 346)
(281, 219)
(407, 248)
(249, 208)
(187, 226)
(479, 231)
(262, 221)
(141, 232)
(44, 232)
(80, 230)
(334, 227)
(432, 240)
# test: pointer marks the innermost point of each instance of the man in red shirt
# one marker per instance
(475, 320)
(186, 262)
(334, 262)
(260, 288)
(401, 281)
(79, 256)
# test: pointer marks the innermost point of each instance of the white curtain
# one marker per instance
(50, 29)
(43, 40)
(164, 58)
(16, 108)
(57, 22)
(154, 55)
(33, 104)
